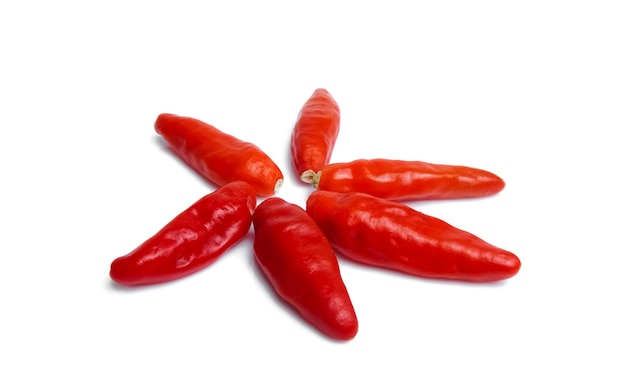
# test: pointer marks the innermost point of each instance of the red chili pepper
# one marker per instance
(408, 180)
(192, 240)
(315, 134)
(218, 156)
(302, 268)
(392, 235)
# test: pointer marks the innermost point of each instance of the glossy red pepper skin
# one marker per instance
(219, 157)
(408, 180)
(314, 134)
(192, 240)
(302, 267)
(391, 235)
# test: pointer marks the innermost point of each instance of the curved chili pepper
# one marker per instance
(392, 235)
(408, 180)
(314, 134)
(192, 240)
(301, 266)
(218, 156)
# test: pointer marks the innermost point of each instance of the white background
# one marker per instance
(534, 91)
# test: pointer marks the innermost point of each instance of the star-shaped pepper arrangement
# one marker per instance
(355, 210)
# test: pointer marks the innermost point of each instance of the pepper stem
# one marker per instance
(278, 185)
(311, 177)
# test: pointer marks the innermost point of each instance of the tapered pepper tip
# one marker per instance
(164, 120)
(348, 329)
(515, 264)
(321, 90)
(119, 272)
